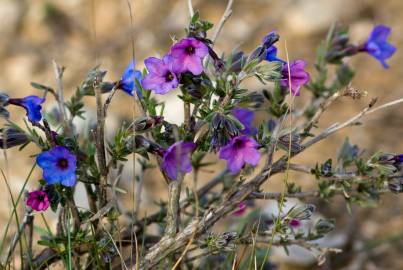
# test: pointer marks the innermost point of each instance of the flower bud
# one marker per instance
(10, 137)
(324, 226)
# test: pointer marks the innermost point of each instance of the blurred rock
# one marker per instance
(10, 11)
(310, 17)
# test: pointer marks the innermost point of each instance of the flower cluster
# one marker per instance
(236, 142)
(220, 123)
(293, 75)
(164, 74)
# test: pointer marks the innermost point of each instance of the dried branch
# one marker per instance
(321, 109)
(100, 143)
(298, 195)
(224, 18)
(190, 7)
(109, 99)
(60, 96)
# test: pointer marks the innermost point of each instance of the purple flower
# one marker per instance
(299, 76)
(245, 116)
(32, 104)
(241, 208)
(188, 54)
(128, 81)
(238, 151)
(378, 46)
(58, 165)
(398, 158)
(176, 159)
(161, 77)
(38, 200)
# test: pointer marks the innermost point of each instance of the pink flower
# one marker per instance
(188, 54)
(241, 208)
(176, 159)
(161, 77)
(38, 200)
(299, 76)
(239, 151)
(295, 223)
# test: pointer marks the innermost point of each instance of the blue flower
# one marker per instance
(270, 39)
(378, 46)
(59, 166)
(271, 54)
(32, 104)
(398, 158)
(245, 116)
(128, 81)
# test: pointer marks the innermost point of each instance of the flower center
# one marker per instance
(41, 198)
(62, 163)
(169, 76)
(238, 144)
(190, 49)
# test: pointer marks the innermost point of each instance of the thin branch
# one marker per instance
(60, 96)
(224, 18)
(190, 7)
(109, 98)
(172, 219)
(100, 143)
(321, 109)
(300, 195)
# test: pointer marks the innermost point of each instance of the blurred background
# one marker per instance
(79, 34)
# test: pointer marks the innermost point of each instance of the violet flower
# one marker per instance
(38, 200)
(241, 208)
(32, 104)
(245, 116)
(299, 76)
(58, 165)
(398, 158)
(239, 151)
(128, 81)
(161, 77)
(188, 54)
(176, 159)
(378, 46)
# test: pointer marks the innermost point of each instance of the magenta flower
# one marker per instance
(38, 200)
(241, 208)
(161, 77)
(176, 159)
(294, 223)
(299, 76)
(188, 54)
(238, 151)
(245, 116)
